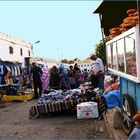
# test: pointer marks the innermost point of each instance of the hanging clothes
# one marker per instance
(45, 79)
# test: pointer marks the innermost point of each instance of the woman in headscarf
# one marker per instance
(45, 79)
(54, 79)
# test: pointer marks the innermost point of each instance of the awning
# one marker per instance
(113, 12)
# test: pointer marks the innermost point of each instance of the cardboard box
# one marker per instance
(87, 110)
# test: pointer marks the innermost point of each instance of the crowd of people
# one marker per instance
(63, 78)
(67, 78)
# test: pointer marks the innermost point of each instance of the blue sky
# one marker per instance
(66, 29)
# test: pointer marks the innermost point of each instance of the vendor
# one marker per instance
(98, 69)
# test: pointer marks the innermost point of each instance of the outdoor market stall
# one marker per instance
(12, 86)
(60, 101)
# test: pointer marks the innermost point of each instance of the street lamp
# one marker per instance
(37, 42)
(57, 55)
(34, 44)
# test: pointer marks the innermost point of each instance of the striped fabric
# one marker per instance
(59, 106)
(45, 79)
(102, 105)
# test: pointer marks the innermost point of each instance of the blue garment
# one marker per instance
(135, 134)
(1, 69)
(112, 99)
(65, 79)
(0, 79)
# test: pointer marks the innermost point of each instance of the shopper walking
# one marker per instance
(36, 74)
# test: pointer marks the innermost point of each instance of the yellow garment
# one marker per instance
(24, 98)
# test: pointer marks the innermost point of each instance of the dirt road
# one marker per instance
(15, 123)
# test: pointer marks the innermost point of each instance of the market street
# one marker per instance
(15, 123)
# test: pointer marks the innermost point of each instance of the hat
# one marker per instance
(92, 54)
(137, 117)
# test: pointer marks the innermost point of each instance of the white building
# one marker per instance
(40, 61)
(86, 64)
(51, 62)
(13, 49)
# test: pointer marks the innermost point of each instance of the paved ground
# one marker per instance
(15, 123)
(117, 134)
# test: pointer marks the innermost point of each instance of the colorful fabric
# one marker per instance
(102, 105)
(113, 99)
(45, 79)
(58, 106)
(58, 102)
(115, 86)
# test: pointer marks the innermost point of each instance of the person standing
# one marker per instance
(71, 75)
(54, 78)
(85, 73)
(36, 74)
(45, 78)
(77, 71)
(62, 80)
(98, 69)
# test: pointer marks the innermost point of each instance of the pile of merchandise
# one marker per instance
(59, 101)
(59, 95)
(54, 101)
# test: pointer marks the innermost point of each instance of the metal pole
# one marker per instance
(100, 16)
(33, 47)
(57, 55)
(138, 8)
(101, 27)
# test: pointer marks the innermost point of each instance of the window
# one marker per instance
(123, 55)
(28, 53)
(11, 51)
(109, 58)
(114, 56)
(21, 52)
(130, 55)
(120, 49)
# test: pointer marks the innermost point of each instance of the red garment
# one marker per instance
(115, 86)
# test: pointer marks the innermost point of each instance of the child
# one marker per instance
(135, 134)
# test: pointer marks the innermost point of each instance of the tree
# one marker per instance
(71, 62)
(64, 61)
(100, 50)
(75, 59)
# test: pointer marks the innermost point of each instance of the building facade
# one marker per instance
(85, 65)
(14, 50)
